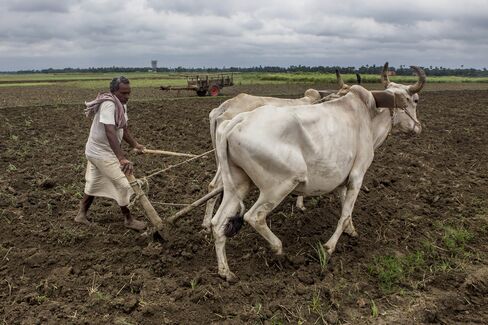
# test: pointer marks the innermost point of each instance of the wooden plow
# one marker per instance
(163, 225)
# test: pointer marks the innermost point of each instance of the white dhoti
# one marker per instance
(106, 179)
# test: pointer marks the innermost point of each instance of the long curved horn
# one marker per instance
(415, 88)
(358, 78)
(339, 79)
(384, 76)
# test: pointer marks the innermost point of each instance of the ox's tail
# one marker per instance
(213, 116)
(234, 224)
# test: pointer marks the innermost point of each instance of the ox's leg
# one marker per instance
(349, 227)
(267, 201)
(207, 219)
(299, 203)
(227, 209)
(352, 191)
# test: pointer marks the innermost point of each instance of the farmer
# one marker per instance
(107, 163)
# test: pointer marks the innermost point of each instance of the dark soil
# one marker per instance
(424, 196)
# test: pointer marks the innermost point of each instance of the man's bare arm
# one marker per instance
(111, 134)
(130, 139)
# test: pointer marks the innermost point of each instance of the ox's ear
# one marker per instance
(384, 99)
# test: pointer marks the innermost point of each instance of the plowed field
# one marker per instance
(422, 217)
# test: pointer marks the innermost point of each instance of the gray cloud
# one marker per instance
(45, 6)
(83, 33)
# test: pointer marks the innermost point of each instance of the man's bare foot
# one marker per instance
(135, 224)
(81, 218)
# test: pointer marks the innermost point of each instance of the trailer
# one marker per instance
(211, 85)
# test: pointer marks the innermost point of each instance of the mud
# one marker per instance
(53, 271)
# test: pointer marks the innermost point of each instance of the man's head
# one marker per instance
(120, 87)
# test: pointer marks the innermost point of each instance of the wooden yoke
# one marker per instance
(384, 99)
(151, 213)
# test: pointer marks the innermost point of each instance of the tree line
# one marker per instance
(365, 69)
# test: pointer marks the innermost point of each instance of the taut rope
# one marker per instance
(143, 182)
(179, 164)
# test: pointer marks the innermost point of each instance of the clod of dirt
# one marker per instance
(431, 316)
(297, 260)
(47, 184)
(127, 304)
(332, 317)
(361, 303)
(152, 250)
(35, 260)
(305, 278)
(61, 272)
(301, 289)
(477, 282)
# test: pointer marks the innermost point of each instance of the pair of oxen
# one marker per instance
(307, 146)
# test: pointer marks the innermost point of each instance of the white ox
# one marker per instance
(246, 103)
(307, 150)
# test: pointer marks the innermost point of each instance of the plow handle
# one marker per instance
(169, 153)
(151, 213)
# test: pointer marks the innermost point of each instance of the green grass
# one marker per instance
(40, 299)
(9, 77)
(322, 256)
(25, 84)
(442, 255)
(141, 83)
(318, 307)
(455, 239)
(389, 271)
(374, 309)
(150, 79)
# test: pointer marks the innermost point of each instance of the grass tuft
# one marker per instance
(455, 239)
(322, 256)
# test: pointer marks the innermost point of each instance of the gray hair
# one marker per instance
(115, 83)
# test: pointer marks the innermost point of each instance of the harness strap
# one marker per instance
(393, 114)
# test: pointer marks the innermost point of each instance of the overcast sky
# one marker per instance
(36, 34)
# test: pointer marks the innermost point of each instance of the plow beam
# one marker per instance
(195, 204)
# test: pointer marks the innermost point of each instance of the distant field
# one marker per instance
(148, 79)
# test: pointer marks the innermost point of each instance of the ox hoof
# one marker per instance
(329, 250)
(229, 277)
(277, 250)
(352, 233)
(207, 228)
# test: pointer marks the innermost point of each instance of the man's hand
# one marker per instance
(139, 148)
(126, 166)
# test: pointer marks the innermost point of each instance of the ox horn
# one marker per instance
(339, 79)
(415, 88)
(358, 78)
(384, 76)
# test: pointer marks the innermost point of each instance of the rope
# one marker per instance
(144, 185)
(179, 164)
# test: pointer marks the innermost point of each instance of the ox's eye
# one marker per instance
(416, 101)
